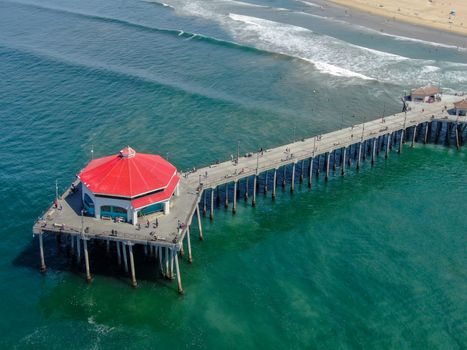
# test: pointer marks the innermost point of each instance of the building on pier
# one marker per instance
(425, 94)
(461, 107)
(128, 185)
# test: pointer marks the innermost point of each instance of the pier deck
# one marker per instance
(67, 218)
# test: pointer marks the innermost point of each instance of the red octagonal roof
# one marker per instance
(127, 174)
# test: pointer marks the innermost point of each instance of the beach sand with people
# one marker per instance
(446, 15)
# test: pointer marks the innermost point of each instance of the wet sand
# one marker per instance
(389, 25)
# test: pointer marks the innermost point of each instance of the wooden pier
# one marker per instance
(221, 184)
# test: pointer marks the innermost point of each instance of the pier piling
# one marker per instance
(343, 161)
(310, 175)
(292, 181)
(119, 256)
(274, 184)
(211, 209)
(200, 228)
(125, 259)
(179, 277)
(234, 204)
(132, 266)
(253, 201)
(188, 243)
(328, 158)
(86, 260)
(41, 252)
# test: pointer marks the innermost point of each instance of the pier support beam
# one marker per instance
(72, 245)
(246, 189)
(204, 203)
(200, 228)
(310, 175)
(413, 136)
(328, 158)
(211, 209)
(86, 260)
(334, 160)
(426, 133)
(274, 184)
(125, 259)
(234, 204)
(373, 152)
(119, 255)
(344, 151)
(132, 266)
(188, 243)
(171, 263)
(41, 253)
(388, 142)
(292, 182)
(284, 177)
(359, 156)
(159, 255)
(166, 262)
(78, 250)
(301, 171)
(179, 277)
(266, 182)
(253, 201)
(457, 137)
(401, 142)
(227, 195)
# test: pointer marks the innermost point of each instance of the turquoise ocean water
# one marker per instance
(375, 260)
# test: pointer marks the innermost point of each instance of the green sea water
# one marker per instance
(373, 260)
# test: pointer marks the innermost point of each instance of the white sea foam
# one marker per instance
(328, 54)
(245, 3)
(294, 41)
(309, 3)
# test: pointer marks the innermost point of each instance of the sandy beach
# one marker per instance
(439, 14)
(380, 19)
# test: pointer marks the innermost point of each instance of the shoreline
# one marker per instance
(390, 26)
(432, 16)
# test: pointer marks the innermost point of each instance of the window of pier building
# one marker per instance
(114, 212)
(88, 204)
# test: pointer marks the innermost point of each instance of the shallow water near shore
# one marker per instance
(375, 259)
